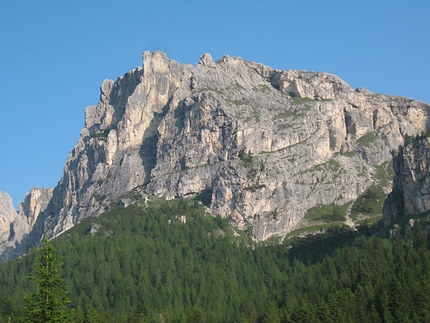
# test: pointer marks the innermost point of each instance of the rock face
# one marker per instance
(7, 216)
(411, 184)
(19, 230)
(259, 145)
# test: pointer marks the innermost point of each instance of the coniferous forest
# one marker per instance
(170, 262)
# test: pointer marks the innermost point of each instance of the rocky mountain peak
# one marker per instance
(258, 145)
(17, 226)
(206, 60)
(7, 216)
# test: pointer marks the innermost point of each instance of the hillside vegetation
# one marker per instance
(167, 261)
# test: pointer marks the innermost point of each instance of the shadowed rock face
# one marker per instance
(262, 145)
(19, 230)
(411, 184)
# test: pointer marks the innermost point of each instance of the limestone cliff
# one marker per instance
(261, 146)
(18, 230)
(7, 216)
(411, 184)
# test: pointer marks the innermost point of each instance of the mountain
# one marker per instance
(259, 146)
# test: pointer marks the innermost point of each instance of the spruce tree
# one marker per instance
(48, 303)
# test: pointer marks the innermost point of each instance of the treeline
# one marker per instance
(373, 280)
(172, 263)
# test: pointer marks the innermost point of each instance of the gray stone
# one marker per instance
(411, 184)
(16, 226)
(262, 145)
(7, 216)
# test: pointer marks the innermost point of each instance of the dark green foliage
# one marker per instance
(150, 265)
(370, 281)
(336, 216)
(369, 202)
(253, 165)
(272, 314)
(246, 158)
(328, 213)
(314, 248)
(48, 303)
(205, 197)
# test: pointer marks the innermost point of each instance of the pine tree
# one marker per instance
(48, 303)
(272, 314)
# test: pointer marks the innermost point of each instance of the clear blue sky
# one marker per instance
(54, 56)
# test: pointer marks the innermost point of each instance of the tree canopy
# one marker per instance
(48, 303)
(171, 263)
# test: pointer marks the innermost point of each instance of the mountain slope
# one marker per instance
(259, 146)
(161, 260)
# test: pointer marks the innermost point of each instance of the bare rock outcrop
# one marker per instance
(411, 184)
(18, 229)
(7, 216)
(261, 145)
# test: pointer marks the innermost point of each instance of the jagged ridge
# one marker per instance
(261, 145)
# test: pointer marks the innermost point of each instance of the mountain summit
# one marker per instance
(257, 145)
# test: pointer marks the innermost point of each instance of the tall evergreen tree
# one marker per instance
(48, 303)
